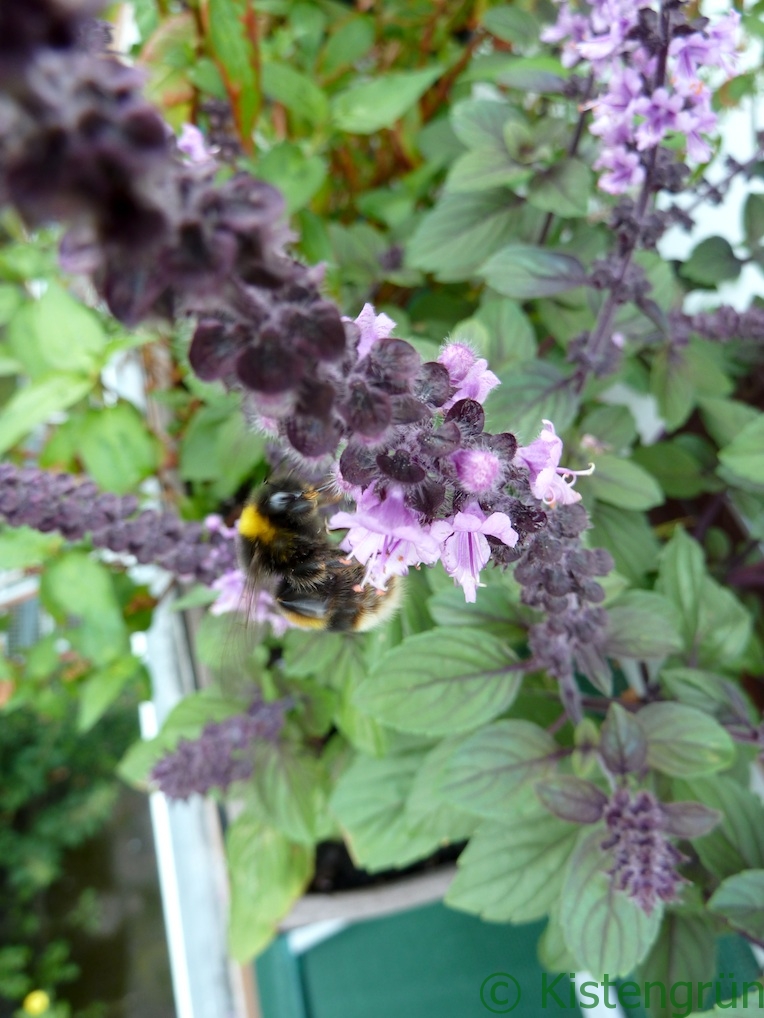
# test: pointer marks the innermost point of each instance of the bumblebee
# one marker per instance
(284, 542)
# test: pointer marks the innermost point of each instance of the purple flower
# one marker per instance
(688, 53)
(600, 47)
(478, 470)
(645, 92)
(385, 536)
(644, 860)
(660, 112)
(693, 123)
(625, 170)
(259, 605)
(724, 34)
(715, 47)
(550, 482)
(613, 111)
(373, 328)
(222, 753)
(465, 548)
(230, 589)
(468, 373)
(192, 144)
(216, 525)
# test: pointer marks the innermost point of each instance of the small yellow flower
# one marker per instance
(36, 1002)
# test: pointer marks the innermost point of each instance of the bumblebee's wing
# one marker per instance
(306, 606)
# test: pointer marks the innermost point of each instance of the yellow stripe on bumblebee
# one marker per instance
(256, 527)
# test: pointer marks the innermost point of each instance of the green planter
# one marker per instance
(426, 961)
(434, 961)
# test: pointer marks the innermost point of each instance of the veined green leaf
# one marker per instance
(487, 772)
(683, 741)
(605, 930)
(441, 682)
(371, 105)
(268, 873)
(513, 872)
(523, 271)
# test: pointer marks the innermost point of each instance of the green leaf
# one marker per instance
(726, 418)
(288, 784)
(491, 612)
(511, 24)
(523, 271)
(306, 653)
(528, 395)
(738, 842)
(704, 690)
(299, 176)
(753, 218)
(683, 741)
(296, 91)
(604, 929)
(10, 301)
(10, 366)
(672, 386)
(685, 952)
(481, 169)
(426, 804)
(572, 799)
(532, 74)
(740, 900)
(681, 577)
(369, 801)
(479, 123)
(677, 471)
(552, 950)
(724, 626)
(235, 57)
(135, 766)
(207, 78)
(267, 875)
(103, 687)
(510, 335)
(116, 447)
(628, 537)
(56, 333)
(453, 239)
(79, 586)
(20, 262)
(563, 189)
(744, 456)
(347, 44)
(513, 873)
(489, 769)
(712, 262)
(643, 625)
(622, 483)
(612, 425)
(361, 731)
(622, 742)
(37, 402)
(440, 682)
(22, 547)
(218, 447)
(372, 105)
(199, 596)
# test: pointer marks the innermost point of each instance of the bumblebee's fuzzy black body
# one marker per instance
(283, 540)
